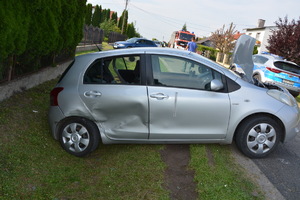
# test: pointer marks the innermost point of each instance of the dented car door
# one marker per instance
(115, 98)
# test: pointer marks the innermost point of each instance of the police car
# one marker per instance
(273, 69)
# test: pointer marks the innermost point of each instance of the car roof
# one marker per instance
(153, 50)
(270, 57)
(274, 58)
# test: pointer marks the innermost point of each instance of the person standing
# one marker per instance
(192, 45)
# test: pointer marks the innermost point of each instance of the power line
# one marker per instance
(172, 21)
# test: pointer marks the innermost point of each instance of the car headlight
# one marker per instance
(283, 97)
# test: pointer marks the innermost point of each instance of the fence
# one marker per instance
(113, 37)
(92, 35)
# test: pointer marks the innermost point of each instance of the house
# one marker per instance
(237, 35)
(261, 33)
(206, 42)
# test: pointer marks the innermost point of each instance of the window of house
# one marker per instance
(257, 36)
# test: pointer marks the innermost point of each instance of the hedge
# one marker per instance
(37, 33)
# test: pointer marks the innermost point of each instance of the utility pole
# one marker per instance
(126, 3)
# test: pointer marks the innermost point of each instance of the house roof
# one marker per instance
(261, 28)
(237, 35)
(203, 40)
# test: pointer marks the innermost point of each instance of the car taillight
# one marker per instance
(54, 96)
(273, 70)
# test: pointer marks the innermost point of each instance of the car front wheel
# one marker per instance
(258, 136)
(79, 136)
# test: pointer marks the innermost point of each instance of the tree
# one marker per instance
(114, 17)
(34, 32)
(285, 40)
(109, 26)
(130, 31)
(223, 39)
(14, 25)
(123, 21)
(88, 14)
(184, 27)
(97, 16)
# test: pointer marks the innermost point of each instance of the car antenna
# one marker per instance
(97, 46)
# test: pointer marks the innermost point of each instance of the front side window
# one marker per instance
(179, 72)
(114, 70)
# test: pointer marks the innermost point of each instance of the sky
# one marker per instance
(160, 18)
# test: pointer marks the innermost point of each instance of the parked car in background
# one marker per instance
(163, 95)
(158, 43)
(273, 69)
(134, 42)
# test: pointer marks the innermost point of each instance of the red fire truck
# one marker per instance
(179, 39)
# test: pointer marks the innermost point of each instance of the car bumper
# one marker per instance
(291, 118)
(55, 115)
(281, 84)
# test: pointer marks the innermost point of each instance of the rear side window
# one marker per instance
(114, 70)
(287, 67)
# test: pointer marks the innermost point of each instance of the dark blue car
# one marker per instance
(134, 42)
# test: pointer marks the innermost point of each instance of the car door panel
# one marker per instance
(187, 114)
(120, 109)
(119, 106)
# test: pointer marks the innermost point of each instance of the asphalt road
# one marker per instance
(282, 168)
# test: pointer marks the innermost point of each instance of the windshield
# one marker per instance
(184, 36)
(132, 40)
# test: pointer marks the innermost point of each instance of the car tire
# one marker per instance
(257, 77)
(258, 136)
(78, 136)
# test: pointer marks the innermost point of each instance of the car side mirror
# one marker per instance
(216, 85)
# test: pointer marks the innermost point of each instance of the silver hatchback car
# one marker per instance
(162, 95)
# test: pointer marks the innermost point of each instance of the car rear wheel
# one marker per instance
(258, 136)
(79, 136)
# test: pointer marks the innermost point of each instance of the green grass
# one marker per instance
(105, 47)
(218, 177)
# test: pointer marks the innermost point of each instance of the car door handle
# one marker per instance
(159, 96)
(92, 94)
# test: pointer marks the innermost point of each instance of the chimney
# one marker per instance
(261, 23)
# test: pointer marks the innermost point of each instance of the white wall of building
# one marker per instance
(262, 35)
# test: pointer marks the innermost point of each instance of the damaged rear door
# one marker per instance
(113, 92)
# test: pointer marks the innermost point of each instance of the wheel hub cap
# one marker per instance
(261, 138)
(75, 138)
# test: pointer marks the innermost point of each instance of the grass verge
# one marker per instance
(218, 176)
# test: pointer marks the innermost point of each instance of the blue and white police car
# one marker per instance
(273, 69)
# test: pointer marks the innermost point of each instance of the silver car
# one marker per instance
(162, 95)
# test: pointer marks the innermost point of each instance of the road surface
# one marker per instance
(282, 168)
